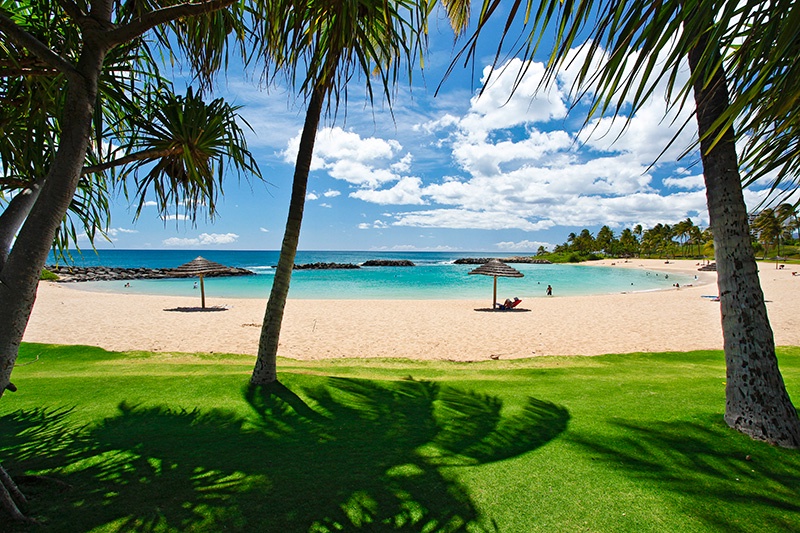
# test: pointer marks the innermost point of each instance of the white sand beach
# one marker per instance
(459, 330)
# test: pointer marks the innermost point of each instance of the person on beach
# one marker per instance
(509, 303)
(549, 290)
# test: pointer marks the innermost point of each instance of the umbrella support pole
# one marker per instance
(202, 293)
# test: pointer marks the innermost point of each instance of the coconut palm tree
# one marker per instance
(321, 46)
(634, 45)
(768, 229)
(58, 62)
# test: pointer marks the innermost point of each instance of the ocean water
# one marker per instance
(434, 277)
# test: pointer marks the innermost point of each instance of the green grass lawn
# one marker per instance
(165, 442)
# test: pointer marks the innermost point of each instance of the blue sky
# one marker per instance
(452, 172)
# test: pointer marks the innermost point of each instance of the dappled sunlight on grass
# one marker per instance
(712, 468)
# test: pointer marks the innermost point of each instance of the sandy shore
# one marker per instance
(461, 330)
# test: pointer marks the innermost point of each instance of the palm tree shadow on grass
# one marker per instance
(367, 456)
(734, 484)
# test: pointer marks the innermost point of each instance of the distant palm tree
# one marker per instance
(768, 228)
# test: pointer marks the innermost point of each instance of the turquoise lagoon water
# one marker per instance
(435, 276)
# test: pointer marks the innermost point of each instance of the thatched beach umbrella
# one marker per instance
(200, 266)
(497, 268)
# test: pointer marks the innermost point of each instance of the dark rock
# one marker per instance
(388, 263)
(67, 274)
(326, 266)
(516, 259)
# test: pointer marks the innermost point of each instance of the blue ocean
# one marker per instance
(434, 277)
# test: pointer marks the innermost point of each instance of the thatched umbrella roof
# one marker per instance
(200, 266)
(497, 268)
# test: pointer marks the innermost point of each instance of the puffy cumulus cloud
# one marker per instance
(404, 165)
(311, 196)
(368, 162)
(514, 160)
(511, 98)
(688, 183)
(360, 173)
(524, 245)
(647, 209)
(204, 239)
(407, 191)
(331, 193)
(517, 162)
(655, 128)
(465, 219)
(491, 158)
(335, 145)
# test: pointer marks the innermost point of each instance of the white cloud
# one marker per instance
(524, 245)
(688, 183)
(263, 230)
(465, 219)
(311, 197)
(325, 205)
(378, 224)
(204, 239)
(150, 203)
(405, 192)
(175, 217)
(331, 193)
(113, 232)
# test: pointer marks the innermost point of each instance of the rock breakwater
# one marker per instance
(69, 274)
(516, 259)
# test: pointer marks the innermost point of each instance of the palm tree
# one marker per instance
(787, 216)
(334, 40)
(768, 229)
(628, 242)
(647, 43)
(75, 52)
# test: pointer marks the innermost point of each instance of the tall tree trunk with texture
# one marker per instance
(265, 370)
(19, 277)
(757, 403)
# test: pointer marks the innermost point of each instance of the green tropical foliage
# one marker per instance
(81, 93)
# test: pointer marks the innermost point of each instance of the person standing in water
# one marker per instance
(549, 290)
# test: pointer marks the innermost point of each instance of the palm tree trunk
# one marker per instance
(265, 370)
(14, 216)
(757, 403)
(19, 277)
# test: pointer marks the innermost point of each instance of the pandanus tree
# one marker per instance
(323, 45)
(745, 78)
(83, 105)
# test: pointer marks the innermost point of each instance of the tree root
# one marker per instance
(11, 498)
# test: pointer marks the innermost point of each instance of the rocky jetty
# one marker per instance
(516, 259)
(69, 274)
(711, 267)
(388, 263)
(326, 266)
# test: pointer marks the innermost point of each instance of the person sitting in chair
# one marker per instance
(509, 304)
